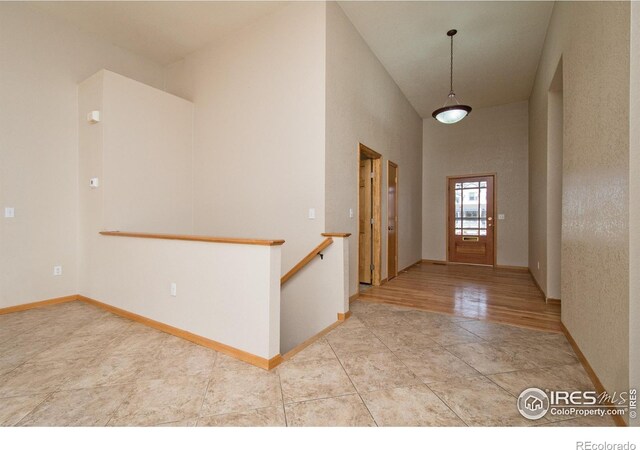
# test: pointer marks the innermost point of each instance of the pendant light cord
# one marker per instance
(451, 69)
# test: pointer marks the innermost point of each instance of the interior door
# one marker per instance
(365, 221)
(392, 221)
(471, 224)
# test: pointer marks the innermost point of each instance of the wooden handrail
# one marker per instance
(184, 237)
(306, 260)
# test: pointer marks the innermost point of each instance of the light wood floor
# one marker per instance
(496, 295)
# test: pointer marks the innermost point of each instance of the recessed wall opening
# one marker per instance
(555, 129)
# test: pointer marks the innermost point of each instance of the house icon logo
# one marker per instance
(533, 403)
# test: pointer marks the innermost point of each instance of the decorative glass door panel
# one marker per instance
(470, 220)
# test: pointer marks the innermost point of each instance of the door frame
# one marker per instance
(389, 164)
(495, 209)
(376, 160)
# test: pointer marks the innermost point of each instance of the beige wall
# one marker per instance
(225, 292)
(148, 158)
(490, 140)
(311, 300)
(259, 129)
(39, 146)
(634, 204)
(595, 227)
(365, 105)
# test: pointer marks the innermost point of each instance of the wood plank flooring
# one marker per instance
(475, 292)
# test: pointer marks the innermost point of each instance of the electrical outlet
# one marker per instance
(174, 289)
(500, 216)
(57, 271)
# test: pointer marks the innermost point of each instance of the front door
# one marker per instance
(471, 223)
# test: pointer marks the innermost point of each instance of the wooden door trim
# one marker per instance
(395, 166)
(376, 159)
(495, 210)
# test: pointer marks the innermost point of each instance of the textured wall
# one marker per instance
(42, 62)
(259, 99)
(365, 105)
(595, 231)
(489, 140)
(634, 205)
(148, 158)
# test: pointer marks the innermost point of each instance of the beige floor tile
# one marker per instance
(108, 370)
(371, 372)
(179, 423)
(495, 332)
(313, 378)
(230, 363)
(436, 364)
(138, 339)
(451, 334)
(152, 402)
(318, 350)
(488, 359)
(13, 409)
(353, 342)
(590, 421)
(19, 350)
(109, 325)
(75, 347)
(345, 411)
(241, 390)
(34, 378)
(179, 357)
(399, 339)
(541, 352)
(264, 417)
(351, 323)
(80, 408)
(479, 402)
(383, 319)
(569, 377)
(411, 406)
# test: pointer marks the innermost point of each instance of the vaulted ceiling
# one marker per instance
(163, 31)
(496, 50)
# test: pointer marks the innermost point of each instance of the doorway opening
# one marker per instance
(470, 220)
(369, 216)
(555, 129)
(392, 220)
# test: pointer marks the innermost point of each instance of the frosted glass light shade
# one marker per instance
(451, 114)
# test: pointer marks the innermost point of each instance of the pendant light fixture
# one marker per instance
(452, 111)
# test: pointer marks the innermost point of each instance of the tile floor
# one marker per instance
(76, 365)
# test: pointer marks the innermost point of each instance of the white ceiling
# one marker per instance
(163, 31)
(496, 50)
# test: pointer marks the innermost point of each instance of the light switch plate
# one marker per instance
(9, 212)
(500, 216)
(312, 213)
(94, 183)
(350, 213)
